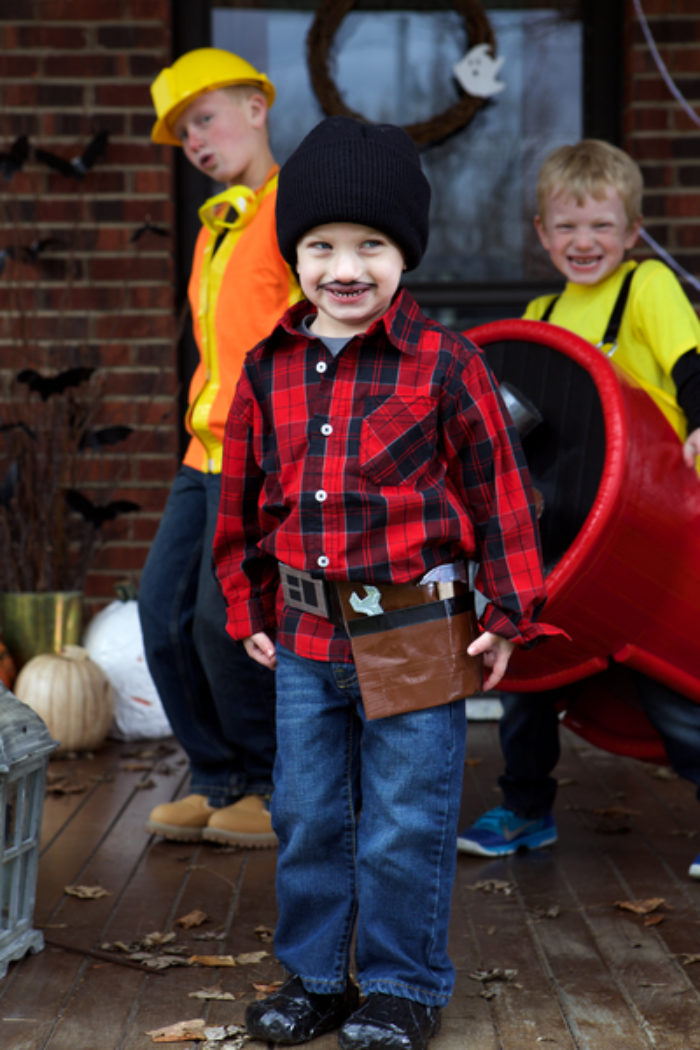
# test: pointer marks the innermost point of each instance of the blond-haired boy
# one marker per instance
(589, 215)
(214, 105)
(589, 199)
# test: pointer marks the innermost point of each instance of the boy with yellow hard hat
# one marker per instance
(220, 703)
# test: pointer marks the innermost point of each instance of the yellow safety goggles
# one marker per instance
(214, 212)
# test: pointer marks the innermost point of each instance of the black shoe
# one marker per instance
(385, 1022)
(293, 1015)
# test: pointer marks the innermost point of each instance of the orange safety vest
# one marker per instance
(237, 293)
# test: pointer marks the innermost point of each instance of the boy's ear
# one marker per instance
(256, 108)
(633, 233)
(541, 232)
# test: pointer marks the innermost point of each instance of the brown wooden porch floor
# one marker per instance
(587, 974)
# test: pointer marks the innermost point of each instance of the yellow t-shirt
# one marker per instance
(658, 326)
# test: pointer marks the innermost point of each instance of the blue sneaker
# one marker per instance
(500, 832)
(694, 869)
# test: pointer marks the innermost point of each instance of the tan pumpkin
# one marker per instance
(71, 693)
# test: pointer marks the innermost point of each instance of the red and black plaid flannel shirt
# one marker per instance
(375, 465)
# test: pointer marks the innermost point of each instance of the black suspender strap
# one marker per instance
(548, 312)
(618, 309)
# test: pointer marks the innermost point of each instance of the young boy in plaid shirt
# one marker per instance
(365, 443)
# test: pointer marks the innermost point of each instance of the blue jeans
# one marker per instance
(366, 814)
(220, 703)
(529, 733)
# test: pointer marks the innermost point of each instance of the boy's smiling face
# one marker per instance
(586, 241)
(350, 273)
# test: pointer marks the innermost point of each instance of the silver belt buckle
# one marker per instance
(302, 591)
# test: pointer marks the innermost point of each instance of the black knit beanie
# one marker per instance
(349, 171)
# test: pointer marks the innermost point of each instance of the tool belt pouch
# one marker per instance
(411, 656)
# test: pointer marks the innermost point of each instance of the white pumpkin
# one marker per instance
(71, 693)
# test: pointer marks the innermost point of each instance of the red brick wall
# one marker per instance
(67, 69)
(658, 133)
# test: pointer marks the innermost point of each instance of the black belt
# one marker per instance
(364, 607)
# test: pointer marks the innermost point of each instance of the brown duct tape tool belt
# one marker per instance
(409, 641)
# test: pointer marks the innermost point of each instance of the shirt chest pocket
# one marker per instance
(398, 440)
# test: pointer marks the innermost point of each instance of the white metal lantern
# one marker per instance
(25, 745)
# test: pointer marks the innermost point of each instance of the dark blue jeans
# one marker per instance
(529, 732)
(220, 703)
(366, 814)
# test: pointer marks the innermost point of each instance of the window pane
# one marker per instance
(396, 66)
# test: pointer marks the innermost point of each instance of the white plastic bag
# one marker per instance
(114, 641)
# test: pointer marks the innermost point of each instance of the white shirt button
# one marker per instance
(321, 495)
(323, 561)
(321, 367)
(326, 429)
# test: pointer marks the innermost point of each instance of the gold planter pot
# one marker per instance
(33, 622)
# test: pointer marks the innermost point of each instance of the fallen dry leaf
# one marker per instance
(641, 907)
(552, 912)
(688, 958)
(180, 1032)
(156, 938)
(212, 960)
(663, 773)
(244, 959)
(653, 920)
(86, 893)
(216, 992)
(193, 918)
(251, 958)
(64, 786)
(495, 974)
(266, 989)
(160, 961)
(265, 934)
(493, 886)
(214, 1034)
(147, 953)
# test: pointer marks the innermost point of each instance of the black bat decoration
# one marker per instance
(149, 227)
(78, 167)
(17, 426)
(45, 386)
(31, 253)
(95, 439)
(15, 157)
(97, 514)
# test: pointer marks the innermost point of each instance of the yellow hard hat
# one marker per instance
(204, 69)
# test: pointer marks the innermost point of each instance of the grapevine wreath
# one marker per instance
(325, 25)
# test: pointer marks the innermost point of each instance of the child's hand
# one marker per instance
(691, 447)
(260, 648)
(496, 652)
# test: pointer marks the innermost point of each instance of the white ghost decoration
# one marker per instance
(477, 71)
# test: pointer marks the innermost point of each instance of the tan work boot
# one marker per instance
(245, 823)
(182, 821)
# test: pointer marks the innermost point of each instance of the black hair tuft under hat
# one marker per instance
(348, 171)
